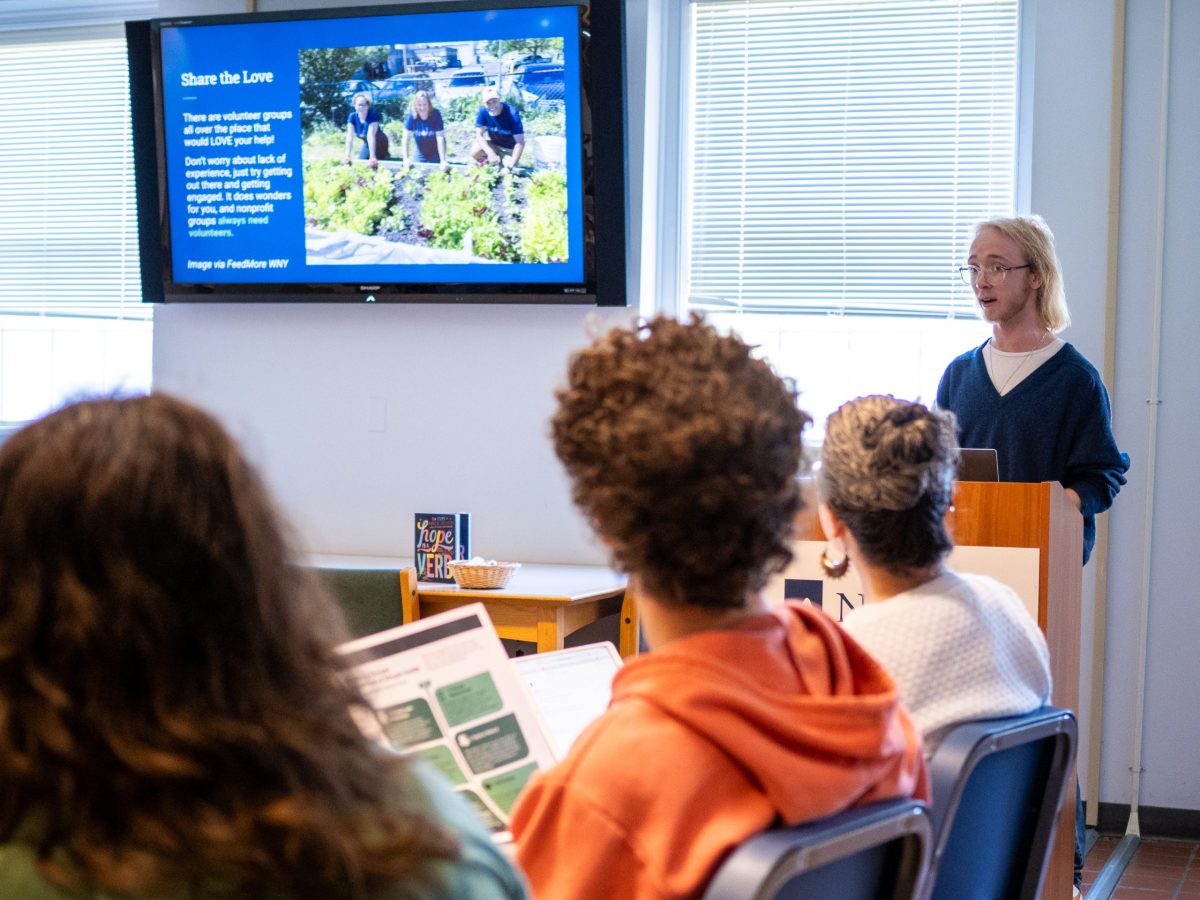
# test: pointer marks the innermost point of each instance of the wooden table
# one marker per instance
(542, 603)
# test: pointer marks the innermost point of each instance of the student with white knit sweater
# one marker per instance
(959, 646)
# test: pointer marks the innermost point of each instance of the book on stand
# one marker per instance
(439, 538)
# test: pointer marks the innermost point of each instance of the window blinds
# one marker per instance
(840, 151)
(68, 220)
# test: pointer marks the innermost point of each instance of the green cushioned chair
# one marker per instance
(373, 599)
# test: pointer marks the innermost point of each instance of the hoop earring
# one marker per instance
(834, 569)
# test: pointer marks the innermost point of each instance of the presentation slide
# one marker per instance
(425, 149)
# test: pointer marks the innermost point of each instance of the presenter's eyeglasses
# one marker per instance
(970, 274)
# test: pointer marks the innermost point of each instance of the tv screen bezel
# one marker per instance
(604, 188)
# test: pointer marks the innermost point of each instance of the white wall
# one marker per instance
(1069, 105)
(1072, 106)
(303, 385)
(1172, 714)
(360, 416)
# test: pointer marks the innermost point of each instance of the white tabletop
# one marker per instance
(545, 581)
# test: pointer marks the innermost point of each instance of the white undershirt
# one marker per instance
(1007, 370)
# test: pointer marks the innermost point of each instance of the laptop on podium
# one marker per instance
(978, 464)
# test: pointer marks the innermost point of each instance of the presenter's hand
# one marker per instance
(373, 163)
(1074, 498)
(346, 161)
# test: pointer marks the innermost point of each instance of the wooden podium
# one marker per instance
(1039, 516)
(1013, 514)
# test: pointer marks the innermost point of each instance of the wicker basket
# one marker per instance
(476, 575)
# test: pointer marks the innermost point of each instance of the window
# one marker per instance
(71, 317)
(838, 154)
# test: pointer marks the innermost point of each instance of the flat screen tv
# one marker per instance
(450, 152)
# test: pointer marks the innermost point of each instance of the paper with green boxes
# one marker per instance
(445, 691)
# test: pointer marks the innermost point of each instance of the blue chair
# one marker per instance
(876, 852)
(998, 786)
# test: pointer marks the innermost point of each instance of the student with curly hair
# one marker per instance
(174, 719)
(683, 451)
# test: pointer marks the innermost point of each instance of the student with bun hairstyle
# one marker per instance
(174, 719)
(960, 646)
(683, 451)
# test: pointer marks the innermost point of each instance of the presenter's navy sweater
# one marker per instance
(1055, 425)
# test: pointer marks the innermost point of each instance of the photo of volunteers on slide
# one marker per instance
(435, 153)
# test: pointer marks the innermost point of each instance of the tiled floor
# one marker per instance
(1160, 869)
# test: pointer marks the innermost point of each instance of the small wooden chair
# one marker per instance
(374, 599)
(410, 603)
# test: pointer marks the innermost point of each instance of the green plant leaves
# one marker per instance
(354, 198)
(493, 215)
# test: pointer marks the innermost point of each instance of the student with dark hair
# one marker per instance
(683, 451)
(960, 646)
(174, 719)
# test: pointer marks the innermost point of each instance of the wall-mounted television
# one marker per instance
(449, 152)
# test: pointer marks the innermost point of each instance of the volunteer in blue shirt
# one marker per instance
(424, 133)
(363, 125)
(499, 135)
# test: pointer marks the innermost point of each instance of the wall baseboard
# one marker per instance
(1155, 821)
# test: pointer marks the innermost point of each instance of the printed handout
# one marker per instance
(446, 692)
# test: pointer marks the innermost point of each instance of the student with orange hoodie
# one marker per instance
(683, 451)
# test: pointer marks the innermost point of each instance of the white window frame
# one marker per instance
(59, 346)
(664, 210)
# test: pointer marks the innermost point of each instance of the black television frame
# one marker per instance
(606, 231)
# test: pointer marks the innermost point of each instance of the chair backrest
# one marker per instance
(373, 599)
(876, 852)
(998, 786)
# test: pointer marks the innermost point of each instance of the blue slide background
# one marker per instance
(274, 47)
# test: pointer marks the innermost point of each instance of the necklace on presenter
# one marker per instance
(989, 362)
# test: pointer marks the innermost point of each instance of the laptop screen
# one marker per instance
(978, 464)
(570, 688)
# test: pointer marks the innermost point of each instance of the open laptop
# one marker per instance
(978, 464)
(570, 689)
